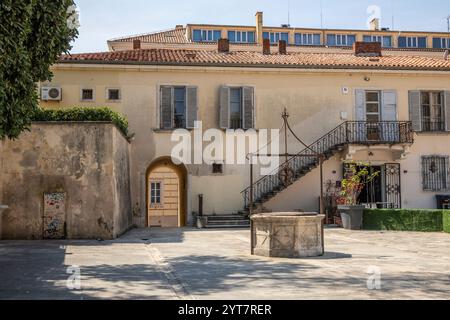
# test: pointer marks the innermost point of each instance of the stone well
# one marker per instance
(287, 235)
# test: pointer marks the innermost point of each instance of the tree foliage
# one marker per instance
(33, 33)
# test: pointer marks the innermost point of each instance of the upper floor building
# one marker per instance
(203, 35)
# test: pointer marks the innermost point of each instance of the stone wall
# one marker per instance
(85, 164)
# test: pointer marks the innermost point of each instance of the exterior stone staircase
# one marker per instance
(240, 220)
(335, 141)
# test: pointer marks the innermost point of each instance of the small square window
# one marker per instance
(217, 168)
(87, 95)
(113, 94)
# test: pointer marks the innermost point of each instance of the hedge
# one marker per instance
(81, 114)
(447, 221)
(406, 220)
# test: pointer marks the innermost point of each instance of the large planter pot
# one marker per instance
(352, 217)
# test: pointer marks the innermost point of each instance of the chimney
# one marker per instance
(223, 45)
(367, 49)
(136, 44)
(266, 46)
(282, 47)
(179, 26)
(259, 27)
(375, 24)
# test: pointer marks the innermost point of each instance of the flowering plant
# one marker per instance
(357, 177)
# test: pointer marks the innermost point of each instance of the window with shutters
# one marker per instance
(178, 107)
(373, 106)
(435, 173)
(432, 109)
(236, 108)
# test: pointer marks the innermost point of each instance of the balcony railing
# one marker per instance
(350, 132)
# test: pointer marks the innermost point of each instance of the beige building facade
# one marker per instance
(395, 118)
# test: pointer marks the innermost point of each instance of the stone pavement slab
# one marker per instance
(216, 264)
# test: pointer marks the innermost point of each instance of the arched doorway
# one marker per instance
(166, 194)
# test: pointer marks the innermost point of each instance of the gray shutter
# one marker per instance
(249, 107)
(415, 112)
(389, 105)
(447, 173)
(225, 107)
(167, 107)
(447, 110)
(191, 107)
(360, 100)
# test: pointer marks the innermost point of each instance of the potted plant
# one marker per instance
(357, 177)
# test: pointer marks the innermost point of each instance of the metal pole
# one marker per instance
(322, 202)
(252, 239)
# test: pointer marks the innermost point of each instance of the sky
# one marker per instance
(102, 20)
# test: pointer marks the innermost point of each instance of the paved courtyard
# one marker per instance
(193, 264)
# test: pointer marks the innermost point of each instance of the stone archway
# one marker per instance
(166, 194)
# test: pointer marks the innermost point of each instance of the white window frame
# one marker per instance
(241, 33)
(87, 100)
(161, 195)
(275, 34)
(207, 39)
(113, 88)
(308, 34)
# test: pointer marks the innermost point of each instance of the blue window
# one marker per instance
(232, 36)
(412, 42)
(402, 42)
(305, 39)
(251, 37)
(422, 42)
(341, 39)
(197, 35)
(275, 37)
(441, 43)
(206, 35)
(217, 35)
(331, 39)
(241, 36)
(386, 41)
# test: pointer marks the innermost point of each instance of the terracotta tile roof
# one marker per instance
(257, 59)
(177, 35)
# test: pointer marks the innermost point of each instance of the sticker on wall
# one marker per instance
(54, 215)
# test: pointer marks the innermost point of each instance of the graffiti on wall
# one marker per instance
(54, 215)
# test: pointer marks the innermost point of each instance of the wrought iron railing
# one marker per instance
(350, 132)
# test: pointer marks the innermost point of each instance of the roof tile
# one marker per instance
(257, 59)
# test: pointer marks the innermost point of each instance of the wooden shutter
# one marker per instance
(167, 107)
(415, 112)
(360, 100)
(225, 107)
(447, 110)
(249, 107)
(191, 107)
(389, 105)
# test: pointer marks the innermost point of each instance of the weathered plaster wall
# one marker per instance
(315, 100)
(86, 161)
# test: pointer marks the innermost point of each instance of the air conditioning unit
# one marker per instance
(51, 94)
